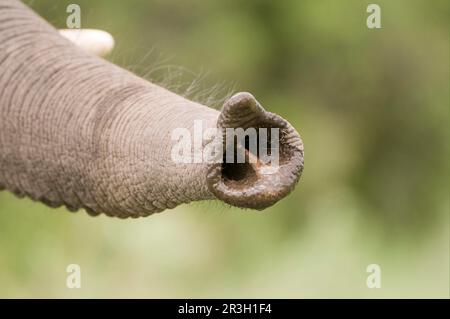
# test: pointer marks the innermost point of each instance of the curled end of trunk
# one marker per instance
(255, 183)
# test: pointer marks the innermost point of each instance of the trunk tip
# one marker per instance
(255, 183)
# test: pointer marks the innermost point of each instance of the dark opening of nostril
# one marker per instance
(237, 171)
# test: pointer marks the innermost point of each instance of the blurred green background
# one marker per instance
(372, 107)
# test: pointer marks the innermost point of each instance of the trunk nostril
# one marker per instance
(256, 183)
(238, 172)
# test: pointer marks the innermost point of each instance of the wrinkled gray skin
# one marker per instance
(78, 131)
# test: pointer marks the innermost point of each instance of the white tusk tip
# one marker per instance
(95, 41)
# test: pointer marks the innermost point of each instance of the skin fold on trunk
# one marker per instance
(79, 131)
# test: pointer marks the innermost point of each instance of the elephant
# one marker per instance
(78, 131)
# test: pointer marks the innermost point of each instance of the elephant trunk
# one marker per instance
(78, 131)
